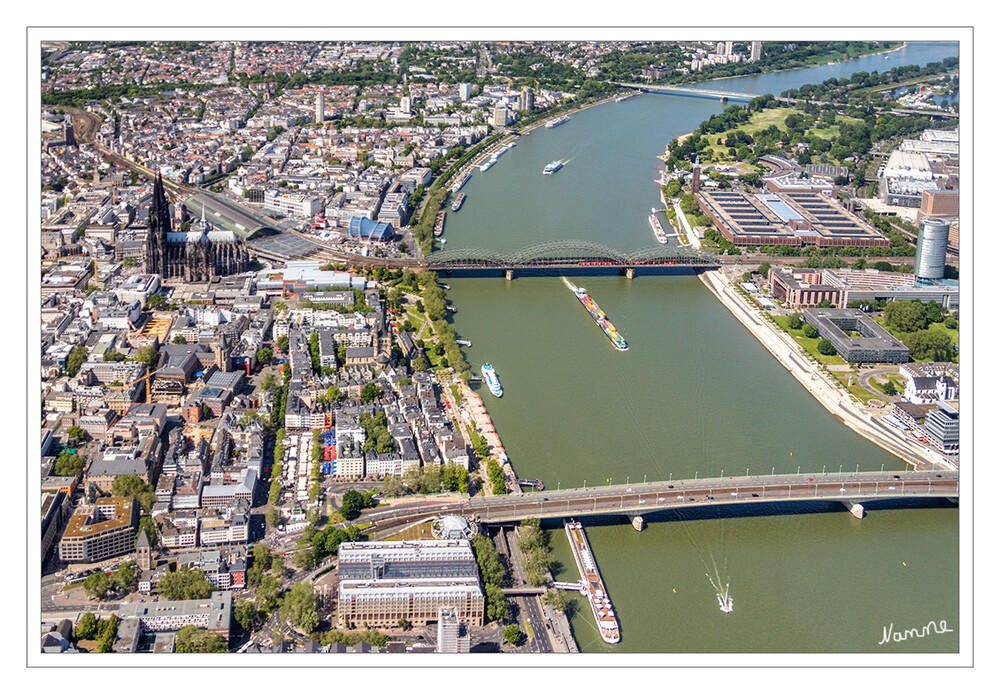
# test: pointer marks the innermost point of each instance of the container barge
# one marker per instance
(601, 319)
(593, 585)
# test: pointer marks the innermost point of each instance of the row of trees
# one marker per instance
(535, 550)
(492, 571)
(124, 580)
(428, 479)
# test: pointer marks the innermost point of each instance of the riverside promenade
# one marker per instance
(819, 385)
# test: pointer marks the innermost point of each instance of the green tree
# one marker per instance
(370, 392)
(155, 302)
(556, 599)
(929, 344)
(932, 312)
(126, 577)
(825, 303)
(272, 517)
(87, 629)
(889, 388)
(420, 363)
(106, 632)
(180, 340)
(76, 433)
(300, 607)
(351, 504)
(69, 464)
(137, 488)
(268, 593)
(282, 343)
(114, 355)
(149, 356)
(512, 634)
(185, 584)
(97, 585)
(245, 613)
(260, 560)
(810, 330)
(905, 316)
(265, 356)
(75, 360)
(191, 639)
(269, 382)
(764, 268)
(824, 346)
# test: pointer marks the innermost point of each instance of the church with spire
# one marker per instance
(195, 255)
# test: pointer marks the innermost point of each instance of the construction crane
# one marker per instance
(149, 374)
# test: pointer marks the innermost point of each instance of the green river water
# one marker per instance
(695, 394)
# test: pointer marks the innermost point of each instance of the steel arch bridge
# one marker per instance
(567, 253)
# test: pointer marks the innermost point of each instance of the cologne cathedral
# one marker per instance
(194, 255)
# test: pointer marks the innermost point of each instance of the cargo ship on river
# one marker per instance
(593, 586)
(601, 319)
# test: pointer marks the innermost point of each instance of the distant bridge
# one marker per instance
(688, 91)
(580, 256)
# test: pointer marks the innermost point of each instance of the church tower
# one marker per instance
(158, 226)
(143, 551)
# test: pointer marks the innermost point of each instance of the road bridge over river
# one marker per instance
(852, 489)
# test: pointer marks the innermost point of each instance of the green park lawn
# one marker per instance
(809, 344)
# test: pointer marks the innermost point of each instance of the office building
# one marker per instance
(99, 532)
(941, 426)
(932, 247)
(938, 203)
(383, 582)
(526, 99)
(875, 344)
(500, 116)
(452, 637)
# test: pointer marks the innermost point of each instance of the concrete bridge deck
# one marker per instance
(644, 498)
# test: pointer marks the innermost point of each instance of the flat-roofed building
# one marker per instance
(95, 533)
(383, 582)
(942, 429)
(938, 203)
(213, 613)
(786, 219)
(872, 344)
(799, 288)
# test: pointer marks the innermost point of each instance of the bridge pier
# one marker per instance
(509, 274)
(630, 272)
(637, 522)
(856, 509)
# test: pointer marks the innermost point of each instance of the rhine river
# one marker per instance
(694, 394)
